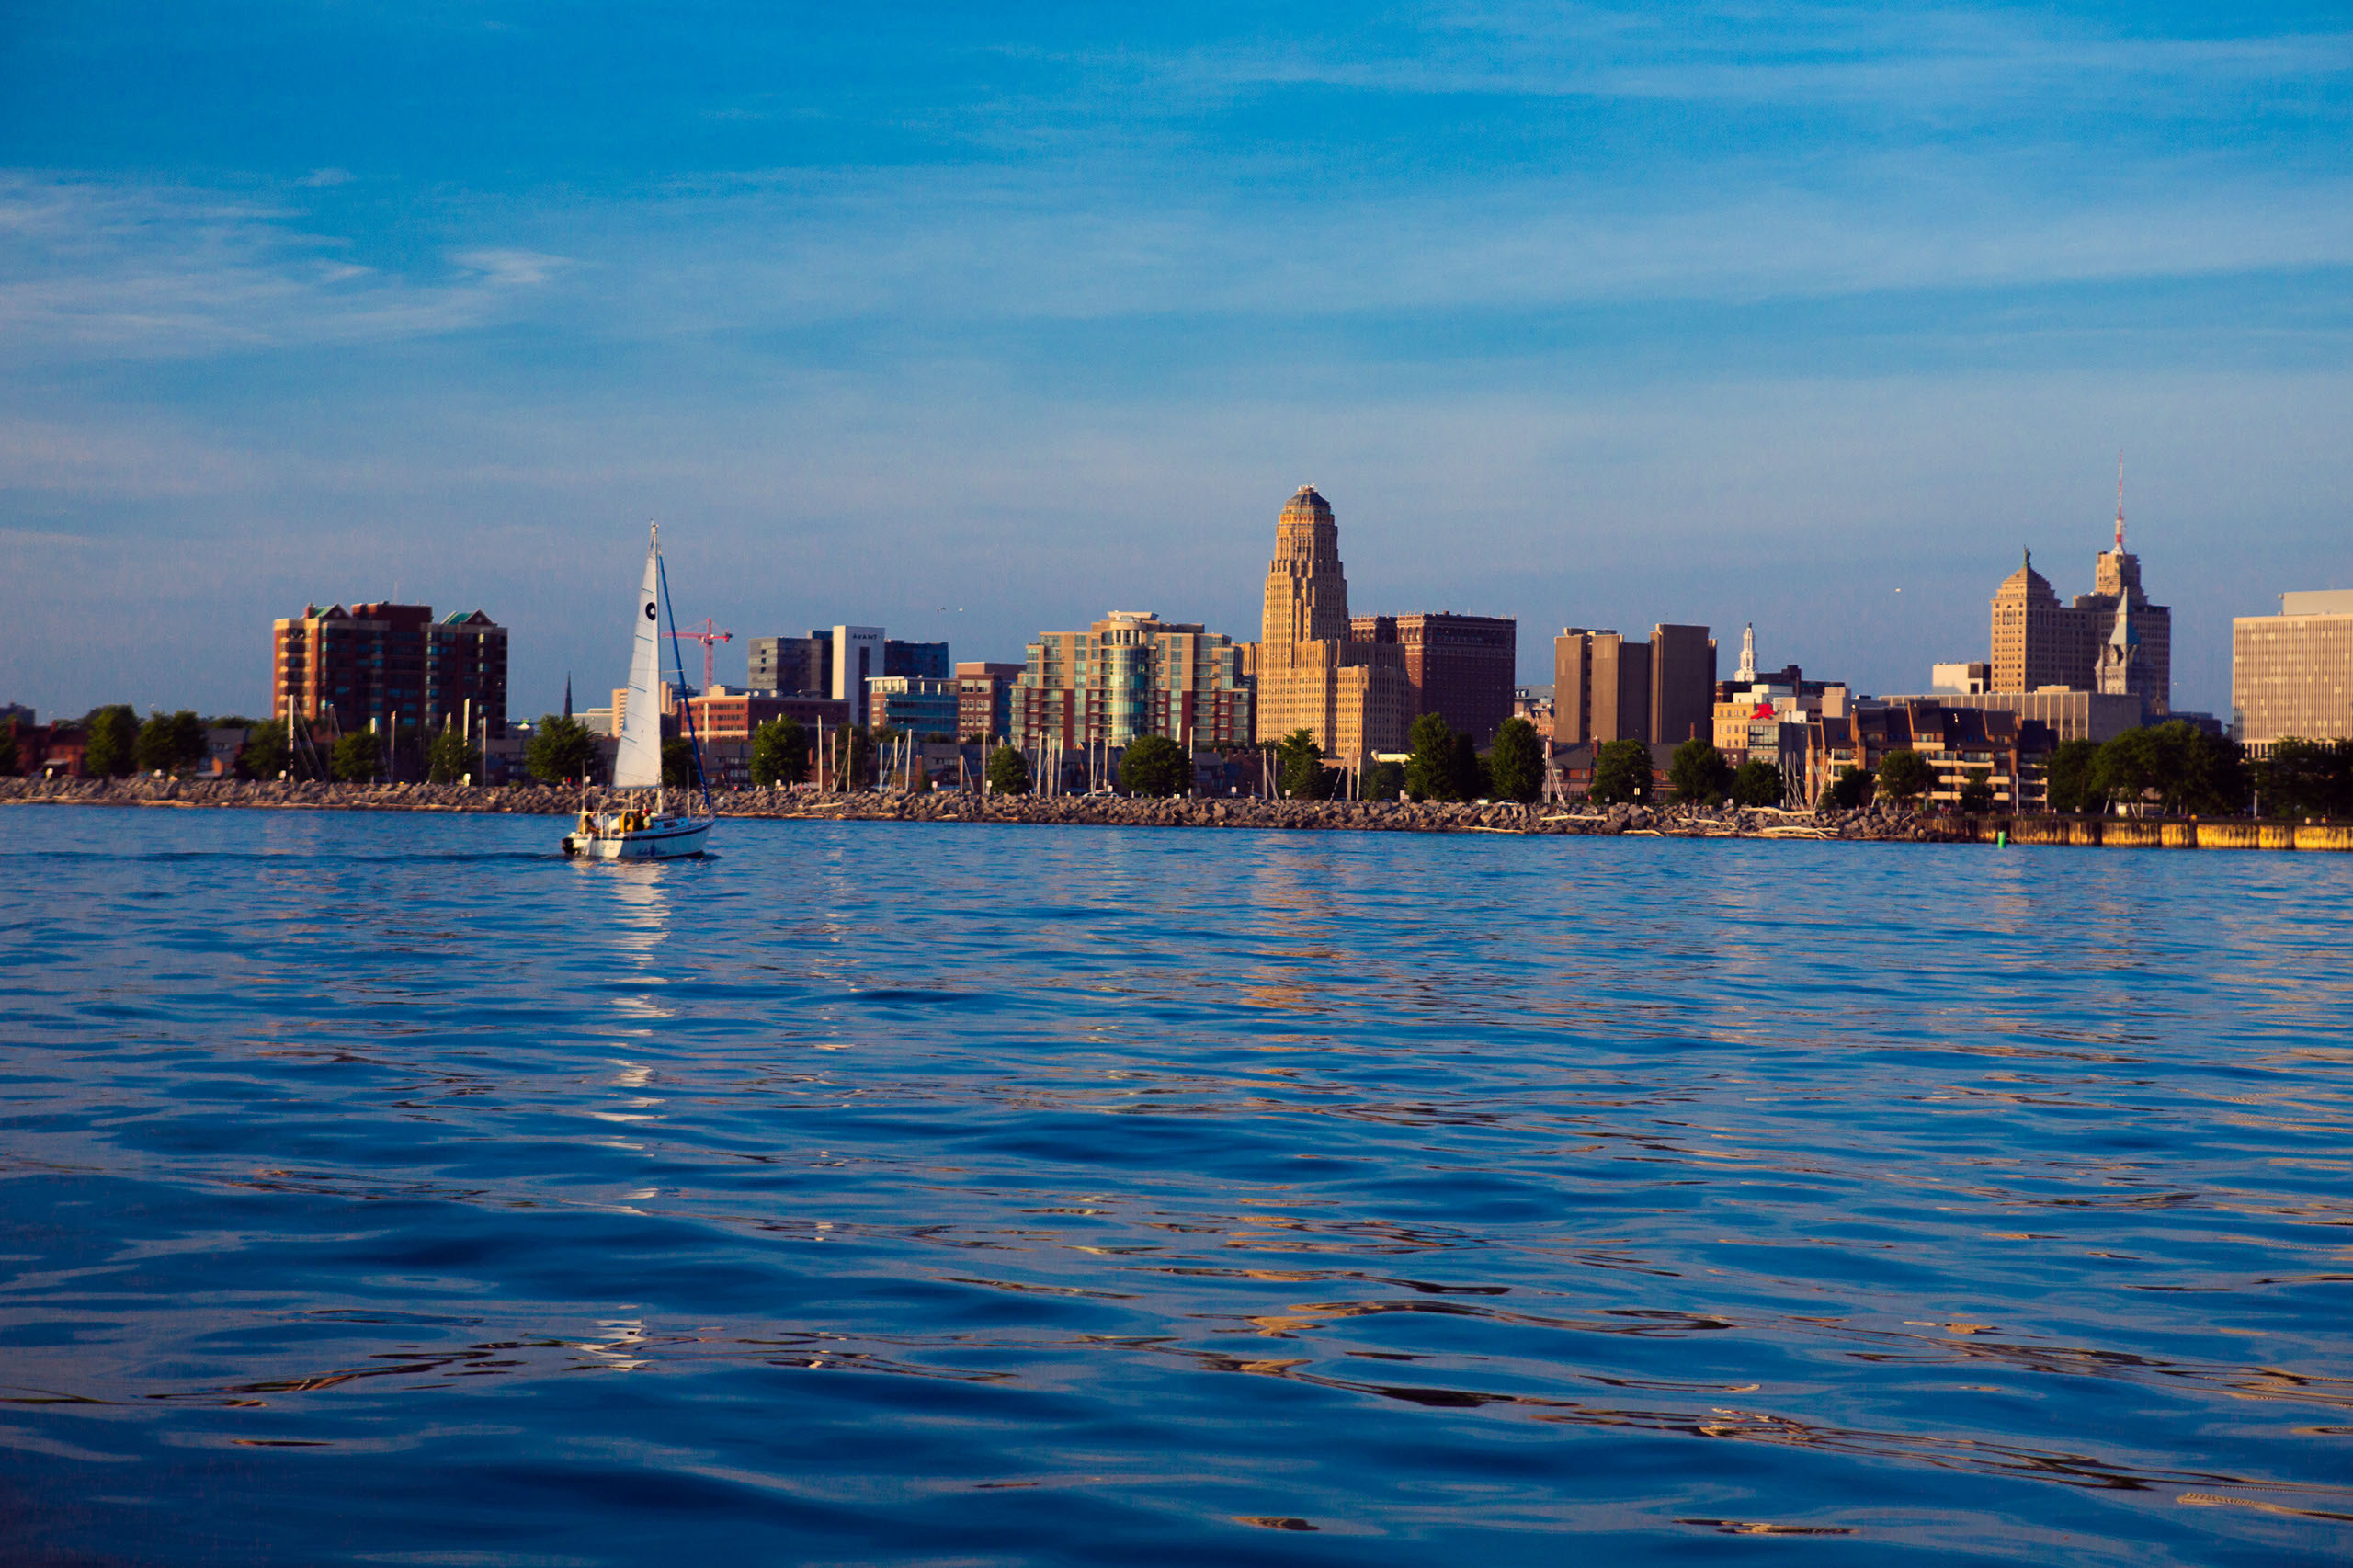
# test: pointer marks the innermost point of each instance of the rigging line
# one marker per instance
(686, 705)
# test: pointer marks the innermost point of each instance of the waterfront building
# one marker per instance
(1957, 742)
(1460, 667)
(2068, 715)
(390, 667)
(1606, 689)
(2291, 674)
(918, 705)
(984, 697)
(730, 716)
(1354, 698)
(1130, 674)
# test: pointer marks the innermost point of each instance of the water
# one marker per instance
(386, 1190)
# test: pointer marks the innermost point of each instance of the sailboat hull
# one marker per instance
(660, 841)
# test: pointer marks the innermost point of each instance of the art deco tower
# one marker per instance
(1351, 697)
(1307, 588)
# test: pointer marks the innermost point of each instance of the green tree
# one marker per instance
(1384, 780)
(1299, 767)
(2197, 772)
(2306, 778)
(1008, 772)
(1156, 767)
(8, 749)
(154, 749)
(1904, 776)
(679, 770)
(358, 758)
(264, 753)
(169, 742)
(1757, 783)
(2070, 779)
(1850, 789)
(560, 750)
(780, 753)
(1698, 774)
(1517, 761)
(113, 733)
(1977, 792)
(1621, 773)
(2131, 767)
(1430, 769)
(450, 759)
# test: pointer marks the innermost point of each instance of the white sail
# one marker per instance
(638, 764)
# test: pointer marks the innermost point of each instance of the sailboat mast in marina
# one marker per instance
(641, 829)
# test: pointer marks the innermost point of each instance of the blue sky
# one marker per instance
(980, 320)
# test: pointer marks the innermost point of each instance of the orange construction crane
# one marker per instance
(709, 636)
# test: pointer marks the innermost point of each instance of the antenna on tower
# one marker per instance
(2120, 502)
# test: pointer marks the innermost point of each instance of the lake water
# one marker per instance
(387, 1190)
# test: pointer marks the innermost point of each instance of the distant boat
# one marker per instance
(644, 829)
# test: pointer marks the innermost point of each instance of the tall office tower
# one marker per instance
(2038, 641)
(1682, 683)
(1601, 687)
(1462, 667)
(1353, 697)
(2111, 641)
(1606, 689)
(2291, 674)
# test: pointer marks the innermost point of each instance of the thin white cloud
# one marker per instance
(111, 270)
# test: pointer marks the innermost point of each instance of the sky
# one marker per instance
(972, 321)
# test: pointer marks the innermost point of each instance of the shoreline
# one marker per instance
(1867, 825)
(1872, 824)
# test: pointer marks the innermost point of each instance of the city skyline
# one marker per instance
(1581, 317)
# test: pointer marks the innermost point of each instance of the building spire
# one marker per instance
(2119, 502)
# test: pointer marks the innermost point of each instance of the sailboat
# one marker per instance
(641, 829)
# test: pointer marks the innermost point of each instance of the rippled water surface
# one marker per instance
(387, 1190)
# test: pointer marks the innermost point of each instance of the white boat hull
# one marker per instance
(662, 839)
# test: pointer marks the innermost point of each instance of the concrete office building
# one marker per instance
(1460, 667)
(829, 662)
(1130, 674)
(1354, 698)
(1606, 689)
(388, 666)
(2291, 674)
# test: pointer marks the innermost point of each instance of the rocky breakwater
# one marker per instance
(1356, 816)
(538, 799)
(1870, 824)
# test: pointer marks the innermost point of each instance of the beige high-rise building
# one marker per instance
(2111, 641)
(1354, 698)
(2291, 674)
